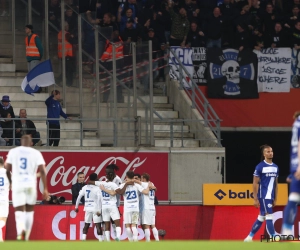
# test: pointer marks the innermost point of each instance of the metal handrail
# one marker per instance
(209, 114)
(136, 129)
(93, 59)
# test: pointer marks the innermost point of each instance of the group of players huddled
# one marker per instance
(102, 201)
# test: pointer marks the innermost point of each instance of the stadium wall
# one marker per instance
(190, 169)
(269, 110)
(180, 223)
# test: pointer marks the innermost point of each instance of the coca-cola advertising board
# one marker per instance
(63, 166)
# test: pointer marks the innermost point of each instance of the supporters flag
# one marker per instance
(274, 70)
(232, 74)
(295, 68)
(40, 76)
(185, 57)
(200, 65)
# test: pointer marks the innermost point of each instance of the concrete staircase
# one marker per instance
(11, 76)
(70, 130)
(36, 109)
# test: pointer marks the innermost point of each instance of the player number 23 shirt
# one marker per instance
(131, 197)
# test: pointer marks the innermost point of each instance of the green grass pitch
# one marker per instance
(164, 245)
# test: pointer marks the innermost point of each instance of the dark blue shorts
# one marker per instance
(295, 185)
(266, 206)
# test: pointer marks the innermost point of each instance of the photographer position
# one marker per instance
(53, 200)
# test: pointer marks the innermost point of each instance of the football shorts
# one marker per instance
(131, 217)
(266, 206)
(22, 196)
(90, 217)
(110, 212)
(148, 217)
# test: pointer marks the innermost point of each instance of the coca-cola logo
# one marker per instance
(61, 178)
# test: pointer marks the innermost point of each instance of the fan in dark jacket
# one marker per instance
(278, 38)
(195, 37)
(241, 40)
(77, 187)
(27, 127)
(5, 107)
(9, 130)
(130, 34)
(214, 29)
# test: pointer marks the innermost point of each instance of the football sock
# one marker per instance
(135, 233)
(147, 234)
(2, 224)
(118, 231)
(107, 235)
(256, 226)
(83, 236)
(114, 229)
(28, 223)
(270, 225)
(129, 233)
(20, 222)
(103, 231)
(100, 237)
(289, 215)
(155, 233)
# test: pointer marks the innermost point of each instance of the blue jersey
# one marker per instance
(294, 146)
(267, 173)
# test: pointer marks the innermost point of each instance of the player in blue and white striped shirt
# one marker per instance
(290, 211)
(265, 179)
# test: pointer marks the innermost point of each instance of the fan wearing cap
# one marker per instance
(122, 19)
(130, 34)
(5, 107)
(34, 48)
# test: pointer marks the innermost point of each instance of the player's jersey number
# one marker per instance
(23, 163)
(88, 193)
(104, 194)
(130, 195)
(1, 181)
(151, 192)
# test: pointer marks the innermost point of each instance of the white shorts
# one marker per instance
(110, 212)
(148, 217)
(23, 196)
(4, 207)
(131, 217)
(90, 217)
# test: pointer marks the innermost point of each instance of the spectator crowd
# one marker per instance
(237, 24)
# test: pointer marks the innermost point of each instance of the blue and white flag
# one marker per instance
(185, 57)
(40, 76)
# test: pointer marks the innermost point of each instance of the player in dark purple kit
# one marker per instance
(265, 179)
(290, 211)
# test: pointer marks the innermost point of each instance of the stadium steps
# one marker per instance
(12, 75)
(36, 108)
